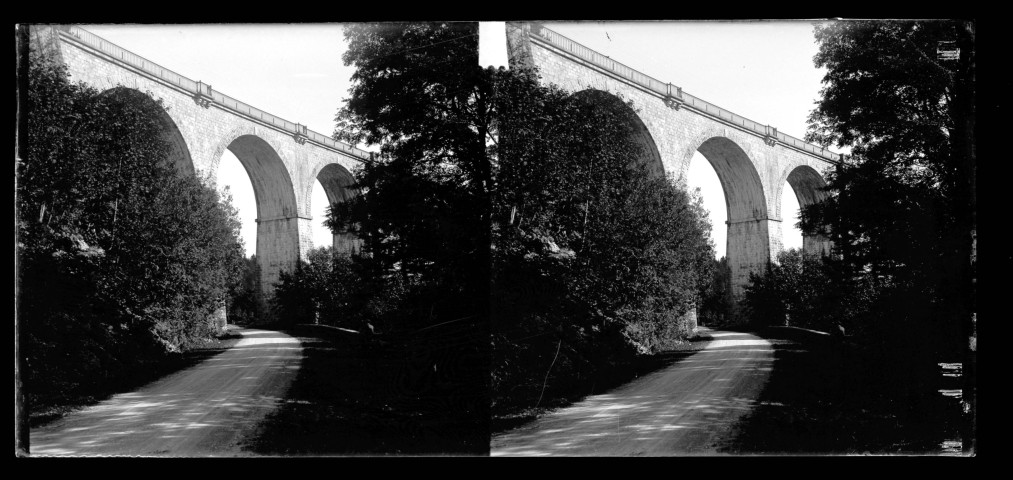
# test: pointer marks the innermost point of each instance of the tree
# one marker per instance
(902, 207)
(419, 94)
(717, 304)
(596, 255)
(302, 293)
(247, 305)
(121, 256)
(810, 291)
(423, 215)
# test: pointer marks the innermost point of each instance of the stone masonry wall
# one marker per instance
(208, 131)
(754, 238)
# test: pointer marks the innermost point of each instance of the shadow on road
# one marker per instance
(356, 396)
(825, 397)
(49, 407)
(519, 410)
(681, 410)
(196, 412)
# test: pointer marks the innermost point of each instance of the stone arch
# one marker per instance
(748, 244)
(278, 241)
(642, 136)
(809, 188)
(179, 153)
(339, 186)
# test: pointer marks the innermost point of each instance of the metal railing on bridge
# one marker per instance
(669, 91)
(204, 90)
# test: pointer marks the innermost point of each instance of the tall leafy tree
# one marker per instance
(247, 305)
(902, 206)
(423, 215)
(908, 117)
(717, 304)
(809, 291)
(597, 255)
(419, 94)
(120, 254)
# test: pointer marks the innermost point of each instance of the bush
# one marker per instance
(597, 258)
(810, 292)
(717, 305)
(346, 290)
(122, 258)
(247, 305)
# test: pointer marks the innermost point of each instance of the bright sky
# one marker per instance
(760, 70)
(291, 71)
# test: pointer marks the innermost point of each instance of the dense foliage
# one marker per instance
(900, 211)
(813, 292)
(486, 174)
(717, 304)
(420, 281)
(338, 289)
(597, 257)
(121, 257)
(246, 303)
(419, 95)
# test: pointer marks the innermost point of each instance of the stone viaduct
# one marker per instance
(283, 159)
(752, 161)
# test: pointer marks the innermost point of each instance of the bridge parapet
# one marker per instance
(673, 95)
(203, 94)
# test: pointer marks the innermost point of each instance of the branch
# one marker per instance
(949, 73)
(546, 380)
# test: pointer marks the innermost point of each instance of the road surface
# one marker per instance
(688, 408)
(205, 410)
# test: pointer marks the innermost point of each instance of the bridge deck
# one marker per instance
(672, 93)
(146, 67)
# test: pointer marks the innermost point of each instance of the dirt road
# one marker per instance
(688, 408)
(205, 410)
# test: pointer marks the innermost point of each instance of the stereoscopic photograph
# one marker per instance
(496, 239)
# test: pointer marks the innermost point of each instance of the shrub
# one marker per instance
(247, 305)
(122, 258)
(810, 292)
(596, 255)
(717, 305)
